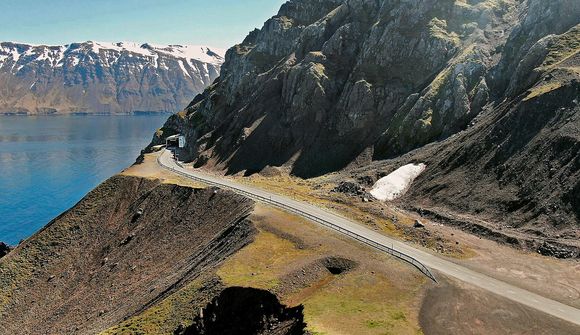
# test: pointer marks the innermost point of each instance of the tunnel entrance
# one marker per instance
(172, 142)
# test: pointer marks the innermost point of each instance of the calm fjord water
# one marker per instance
(48, 163)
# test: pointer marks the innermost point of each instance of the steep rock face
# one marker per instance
(518, 164)
(103, 77)
(329, 85)
(127, 245)
(323, 82)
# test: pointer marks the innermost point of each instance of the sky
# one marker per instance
(217, 23)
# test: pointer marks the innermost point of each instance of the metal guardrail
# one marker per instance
(392, 251)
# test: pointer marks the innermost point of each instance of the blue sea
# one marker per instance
(48, 163)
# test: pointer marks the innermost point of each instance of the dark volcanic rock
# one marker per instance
(418, 224)
(349, 188)
(247, 311)
(557, 250)
(4, 249)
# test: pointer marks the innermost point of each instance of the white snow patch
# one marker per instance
(194, 52)
(161, 64)
(15, 55)
(397, 183)
(29, 52)
(109, 53)
(201, 53)
(156, 61)
(59, 59)
(183, 68)
(75, 60)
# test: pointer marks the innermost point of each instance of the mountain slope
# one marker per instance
(126, 246)
(327, 85)
(101, 77)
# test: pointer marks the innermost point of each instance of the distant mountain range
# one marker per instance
(98, 77)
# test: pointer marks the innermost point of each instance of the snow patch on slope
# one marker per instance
(397, 183)
(189, 52)
(109, 53)
(183, 68)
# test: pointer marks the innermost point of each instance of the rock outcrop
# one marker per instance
(4, 249)
(330, 85)
(517, 166)
(247, 311)
(96, 77)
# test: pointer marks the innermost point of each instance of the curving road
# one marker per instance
(385, 243)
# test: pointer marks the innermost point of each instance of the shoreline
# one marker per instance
(135, 113)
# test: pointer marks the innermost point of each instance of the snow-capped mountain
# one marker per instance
(99, 77)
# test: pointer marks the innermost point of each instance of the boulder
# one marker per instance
(349, 188)
(418, 224)
(4, 249)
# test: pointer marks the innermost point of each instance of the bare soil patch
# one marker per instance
(453, 307)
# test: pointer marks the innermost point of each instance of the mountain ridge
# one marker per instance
(103, 77)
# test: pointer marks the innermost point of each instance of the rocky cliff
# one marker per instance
(332, 84)
(98, 77)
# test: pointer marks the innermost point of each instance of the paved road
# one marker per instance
(506, 290)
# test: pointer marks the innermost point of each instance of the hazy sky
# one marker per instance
(219, 23)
